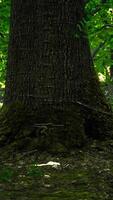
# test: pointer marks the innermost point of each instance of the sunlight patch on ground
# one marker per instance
(50, 163)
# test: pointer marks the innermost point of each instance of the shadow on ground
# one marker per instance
(82, 175)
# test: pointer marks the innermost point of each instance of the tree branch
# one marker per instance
(97, 49)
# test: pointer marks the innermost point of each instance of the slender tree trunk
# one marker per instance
(49, 63)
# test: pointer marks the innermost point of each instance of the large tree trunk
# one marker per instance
(49, 57)
(50, 65)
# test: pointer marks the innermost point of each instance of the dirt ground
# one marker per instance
(84, 174)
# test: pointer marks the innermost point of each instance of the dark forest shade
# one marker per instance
(49, 55)
(49, 63)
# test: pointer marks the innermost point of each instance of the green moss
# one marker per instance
(66, 129)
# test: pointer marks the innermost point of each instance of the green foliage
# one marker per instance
(4, 33)
(80, 27)
(34, 171)
(6, 174)
(99, 18)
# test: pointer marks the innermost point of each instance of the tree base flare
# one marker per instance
(56, 131)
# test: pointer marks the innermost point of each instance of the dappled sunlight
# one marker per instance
(102, 77)
(76, 176)
(1, 104)
(56, 125)
(50, 163)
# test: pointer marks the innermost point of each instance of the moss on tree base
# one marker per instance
(58, 131)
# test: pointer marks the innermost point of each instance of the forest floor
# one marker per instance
(85, 174)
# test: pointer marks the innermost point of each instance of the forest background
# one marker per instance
(89, 171)
(98, 22)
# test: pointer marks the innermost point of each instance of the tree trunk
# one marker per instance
(50, 67)
(48, 62)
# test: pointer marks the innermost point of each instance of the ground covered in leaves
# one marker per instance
(84, 174)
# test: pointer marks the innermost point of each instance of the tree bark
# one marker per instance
(49, 63)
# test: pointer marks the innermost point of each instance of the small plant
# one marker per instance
(35, 171)
(6, 174)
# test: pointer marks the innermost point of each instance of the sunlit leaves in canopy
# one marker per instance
(4, 32)
(99, 16)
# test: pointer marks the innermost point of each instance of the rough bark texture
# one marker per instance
(50, 65)
(48, 62)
